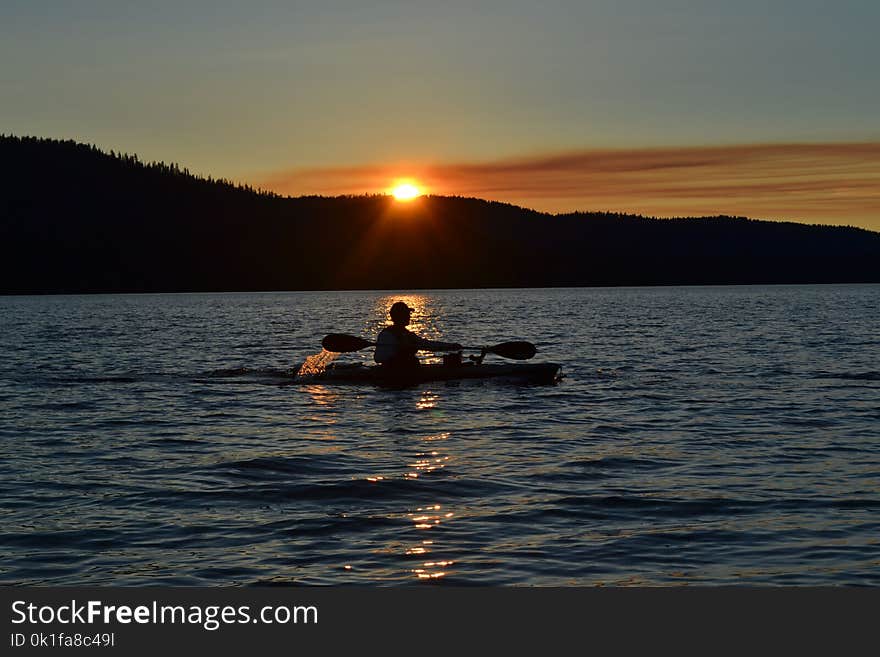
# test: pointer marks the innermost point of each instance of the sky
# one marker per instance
(768, 109)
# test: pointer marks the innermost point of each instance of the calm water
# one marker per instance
(702, 436)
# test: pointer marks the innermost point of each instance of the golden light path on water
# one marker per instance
(429, 517)
(418, 542)
(426, 519)
(419, 456)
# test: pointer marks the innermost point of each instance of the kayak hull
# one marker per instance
(536, 373)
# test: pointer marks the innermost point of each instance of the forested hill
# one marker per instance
(75, 219)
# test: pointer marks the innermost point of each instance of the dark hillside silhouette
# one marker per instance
(75, 219)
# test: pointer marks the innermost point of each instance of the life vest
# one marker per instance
(395, 345)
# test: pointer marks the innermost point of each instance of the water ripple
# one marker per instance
(701, 436)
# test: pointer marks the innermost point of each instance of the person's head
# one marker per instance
(400, 313)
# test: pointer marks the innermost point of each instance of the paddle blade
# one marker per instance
(342, 344)
(518, 350)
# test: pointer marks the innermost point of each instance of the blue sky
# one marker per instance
(245, 89)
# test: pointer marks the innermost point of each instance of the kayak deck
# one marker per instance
(541, 373)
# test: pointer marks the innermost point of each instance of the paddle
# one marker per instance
(343, 344)
(517, 350)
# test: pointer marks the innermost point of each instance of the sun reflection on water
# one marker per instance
(425, 519)
(418, 457)
(321, 395)
(428, 518)
(428, 400)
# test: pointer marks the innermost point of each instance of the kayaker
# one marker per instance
(396, 346)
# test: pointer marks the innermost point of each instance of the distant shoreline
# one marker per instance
(113, 224)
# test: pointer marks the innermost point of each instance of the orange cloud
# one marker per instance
(837, 183)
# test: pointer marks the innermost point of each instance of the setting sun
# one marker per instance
(405, 192)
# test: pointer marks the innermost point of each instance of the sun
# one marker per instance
(405, 191)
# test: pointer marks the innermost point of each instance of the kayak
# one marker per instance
(377, 375)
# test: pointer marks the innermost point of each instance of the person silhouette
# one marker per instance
(396, 346)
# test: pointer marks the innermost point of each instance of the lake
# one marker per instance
(701, 435)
